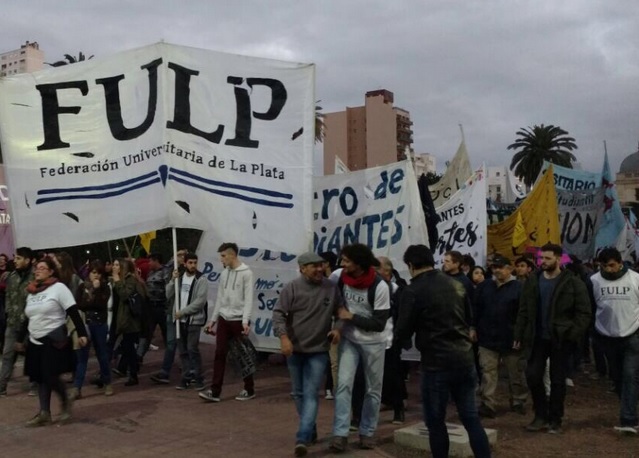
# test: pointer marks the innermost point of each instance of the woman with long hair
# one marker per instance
(94, 297)
(128, 325)
(66, 270)
(49, 352)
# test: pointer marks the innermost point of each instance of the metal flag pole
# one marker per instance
(176, 304)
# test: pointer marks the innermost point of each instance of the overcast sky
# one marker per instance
(493, 66)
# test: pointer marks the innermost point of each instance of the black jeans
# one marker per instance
(394, 388)
(157, 317)
(129, 359)
(548, 409)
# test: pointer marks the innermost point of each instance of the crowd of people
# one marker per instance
(343, 322)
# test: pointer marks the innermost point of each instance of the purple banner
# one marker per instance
(6, 234)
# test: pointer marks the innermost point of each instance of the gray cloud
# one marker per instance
(494, 66)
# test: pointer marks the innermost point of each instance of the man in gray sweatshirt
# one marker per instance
(303, 319)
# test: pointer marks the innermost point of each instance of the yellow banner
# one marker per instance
(534, 223)
(145, 240)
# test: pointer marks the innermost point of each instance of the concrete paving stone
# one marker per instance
(416, 437)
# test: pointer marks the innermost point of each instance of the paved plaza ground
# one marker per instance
(158, 420)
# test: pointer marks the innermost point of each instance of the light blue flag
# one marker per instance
(613, 219)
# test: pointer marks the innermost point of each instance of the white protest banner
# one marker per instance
(599, 216)
(462, 225)
(161, 136)
(340, 167)
(456, 174)
(379, 207)
(580, 217)
(515, 188)
(626, 242)
(571, 179)
(6, 235)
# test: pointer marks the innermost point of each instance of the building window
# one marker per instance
(497, 174)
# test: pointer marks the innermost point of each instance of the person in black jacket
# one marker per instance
(554, 313)
(433, 307)
(496, 305)
(93, 297)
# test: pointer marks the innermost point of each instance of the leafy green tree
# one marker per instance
(69, 59)
(537, 144)
(432, 178)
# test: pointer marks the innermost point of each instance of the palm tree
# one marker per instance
(538, 144)
(70, 60)
(320, 127)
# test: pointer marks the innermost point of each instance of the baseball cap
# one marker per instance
(499, 260)
(309, 258)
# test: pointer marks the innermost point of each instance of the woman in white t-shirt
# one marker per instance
(49, 351)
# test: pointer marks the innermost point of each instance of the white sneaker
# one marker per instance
(153, 347)
(627, 429)
(244, 396)
(570, 383)
(329, 395)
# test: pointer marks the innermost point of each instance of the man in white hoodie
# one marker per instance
(232, 314)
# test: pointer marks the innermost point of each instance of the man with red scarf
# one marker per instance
(365, 333)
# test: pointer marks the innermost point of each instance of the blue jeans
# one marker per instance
(372, 357)
(171, 345)
(189, 346)
(461, 383)
(307, 372)
(623, 360)
(98, 337)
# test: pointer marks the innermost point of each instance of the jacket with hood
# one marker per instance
(195, 310)
(234, 300)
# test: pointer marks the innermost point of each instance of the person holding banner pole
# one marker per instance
(162, 377)
(232, 314)
(302, 319)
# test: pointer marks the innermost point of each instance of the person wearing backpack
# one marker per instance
(126, 285)
(365, 333)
